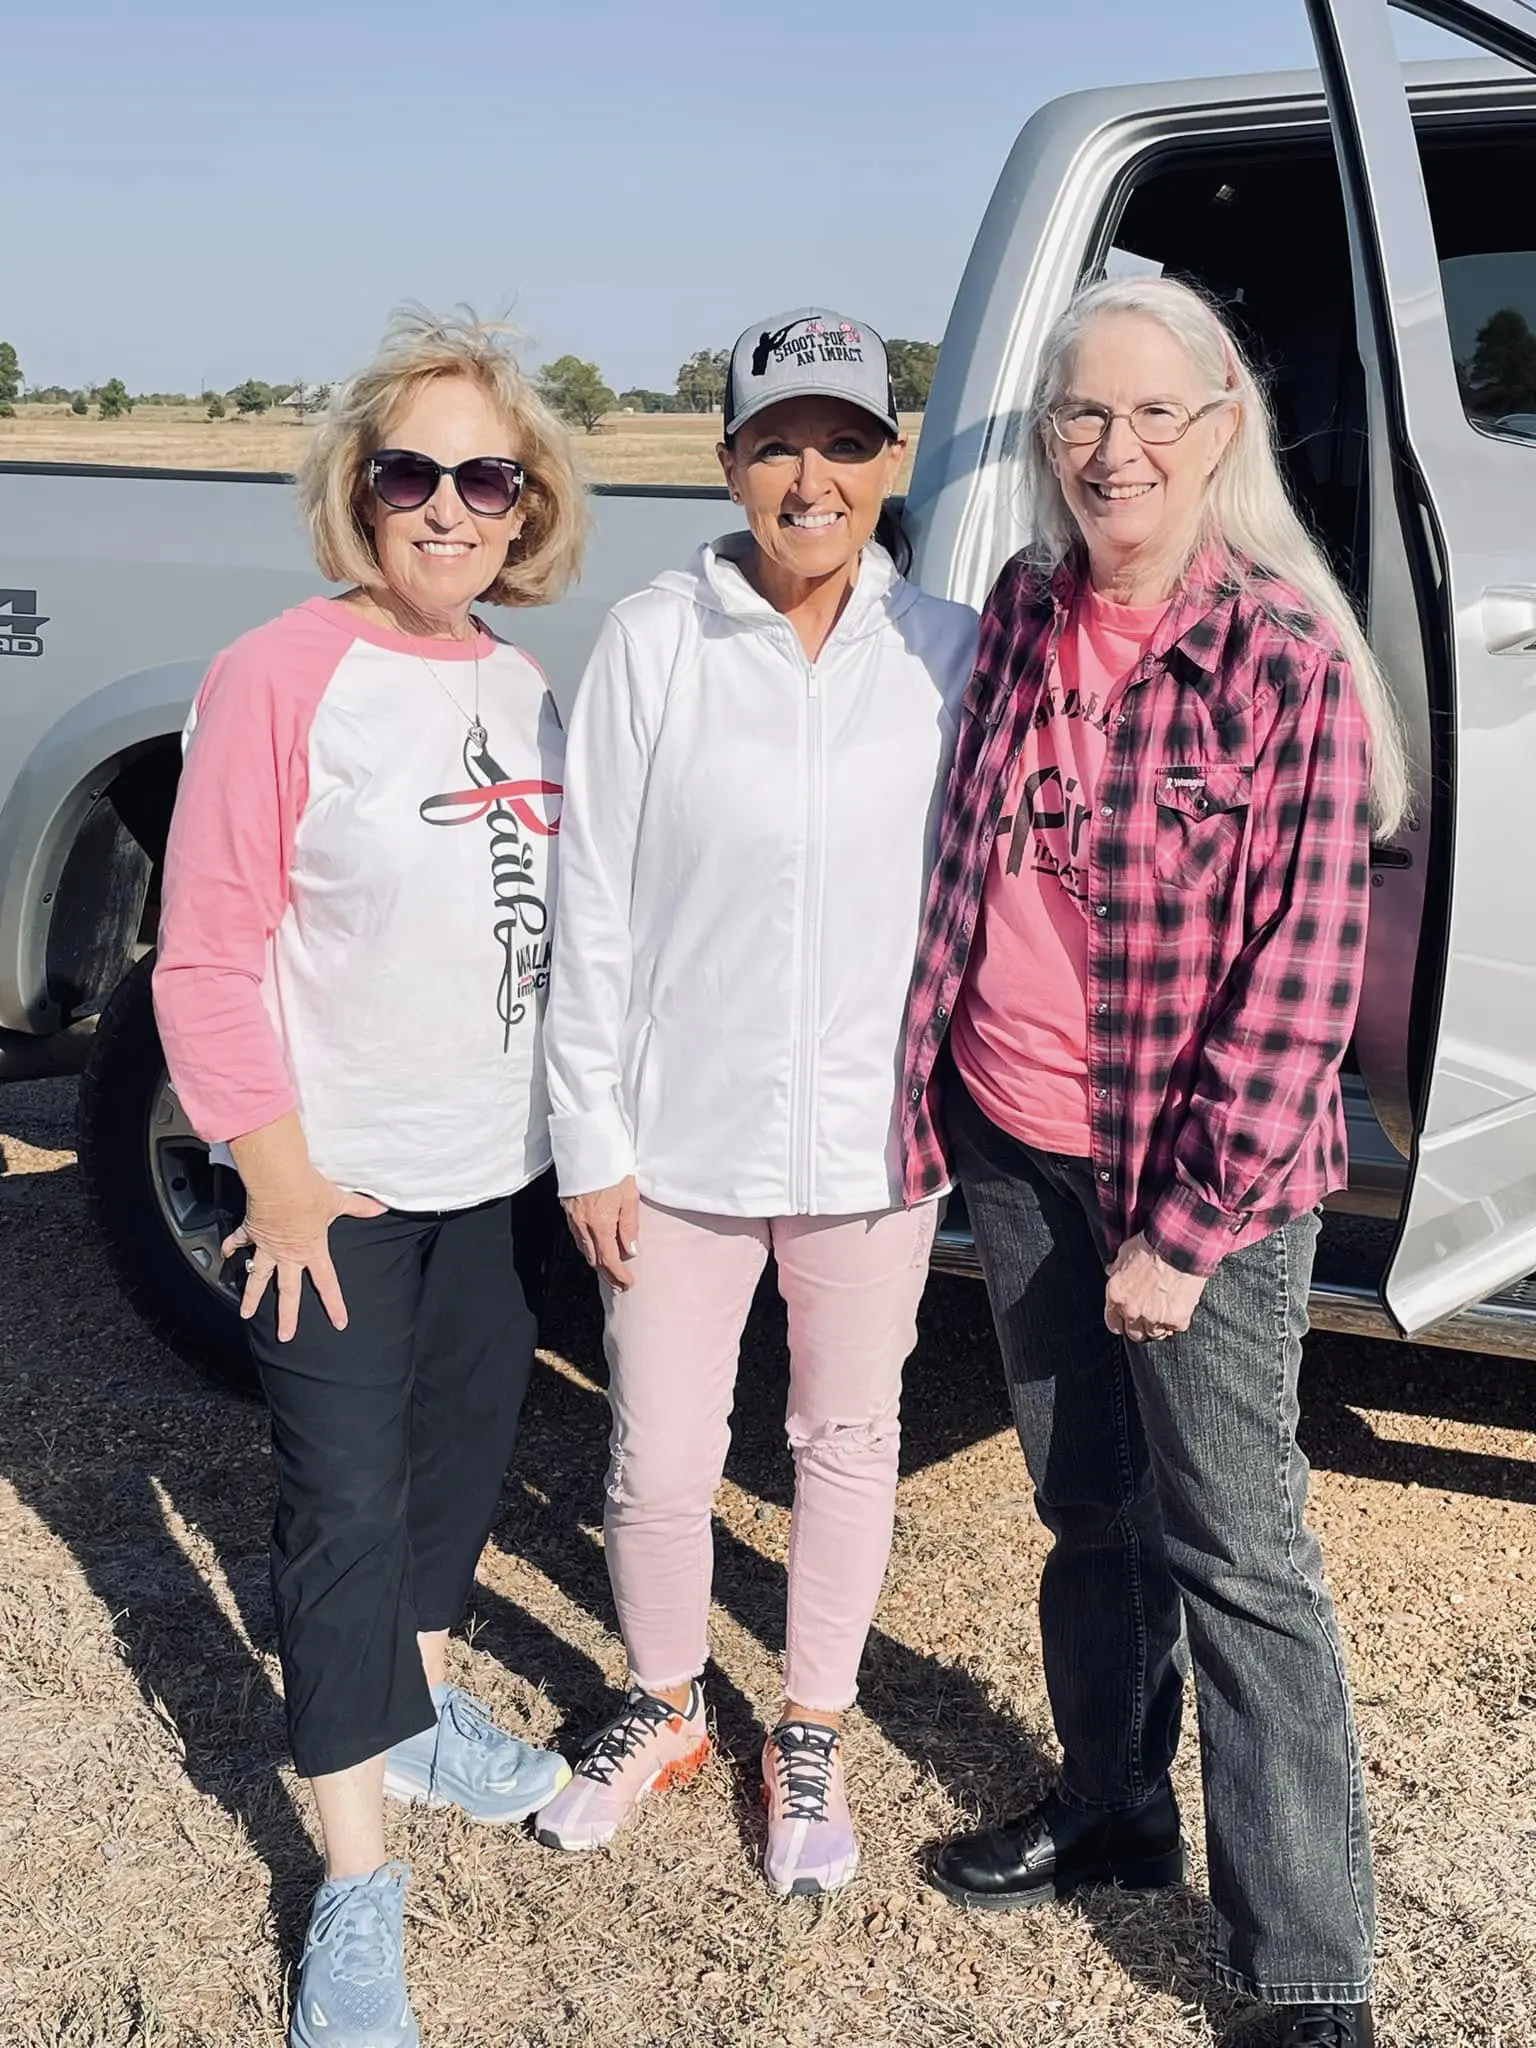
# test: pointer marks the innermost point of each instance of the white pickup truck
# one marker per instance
(1363, 225)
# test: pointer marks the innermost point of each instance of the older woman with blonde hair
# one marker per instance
(354, 955)
(1138, 975)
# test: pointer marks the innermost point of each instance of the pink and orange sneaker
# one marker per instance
(647, 1747)
(811, 1846)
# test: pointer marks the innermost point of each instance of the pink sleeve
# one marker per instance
(225, 889)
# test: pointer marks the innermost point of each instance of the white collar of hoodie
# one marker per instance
(715, 580)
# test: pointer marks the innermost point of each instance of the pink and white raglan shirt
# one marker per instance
(358, 902)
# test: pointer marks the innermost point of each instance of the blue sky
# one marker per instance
(193, 195)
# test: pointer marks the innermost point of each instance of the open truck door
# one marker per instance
(1454, 509)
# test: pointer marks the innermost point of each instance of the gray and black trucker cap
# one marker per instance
(811, 353)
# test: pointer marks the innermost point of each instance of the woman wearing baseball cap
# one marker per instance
(752, 784)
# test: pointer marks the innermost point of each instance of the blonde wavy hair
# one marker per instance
(545, 558)
(1248, 512)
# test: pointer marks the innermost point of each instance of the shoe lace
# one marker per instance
(1331, 2026)
(357, 1931)
(472, 1720)
(804, 1756)
(640, 1717)
(1032, 1829)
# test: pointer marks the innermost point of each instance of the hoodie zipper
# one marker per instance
(805, 1063)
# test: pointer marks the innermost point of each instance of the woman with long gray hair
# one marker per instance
(1138, 975)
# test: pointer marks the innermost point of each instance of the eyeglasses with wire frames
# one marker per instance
(489, 485)
(1156, 424)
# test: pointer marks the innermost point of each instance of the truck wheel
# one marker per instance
(160, 1204)
(163, 1208)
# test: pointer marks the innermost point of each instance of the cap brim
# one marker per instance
(811, 388)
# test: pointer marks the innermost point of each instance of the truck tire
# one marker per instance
(163, 1208)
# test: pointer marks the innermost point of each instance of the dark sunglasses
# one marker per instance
(490, 485)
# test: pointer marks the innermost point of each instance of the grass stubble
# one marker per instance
(628, 448)
(156, 1854)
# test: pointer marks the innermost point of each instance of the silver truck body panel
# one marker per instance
(1473, 1225)
(1469, 1226)
(65, 772)
(1049, 221)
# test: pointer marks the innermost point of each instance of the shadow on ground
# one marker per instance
(158, 1484)
(149, 1475)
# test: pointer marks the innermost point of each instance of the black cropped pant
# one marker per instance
(389, 1442)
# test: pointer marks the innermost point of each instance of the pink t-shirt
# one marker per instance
(1020, 1033)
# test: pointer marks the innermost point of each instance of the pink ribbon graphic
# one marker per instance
(464, 806)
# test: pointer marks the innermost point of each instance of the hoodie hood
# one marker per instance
(715, 581)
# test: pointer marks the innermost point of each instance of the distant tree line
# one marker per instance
(574, 388)
(579, 394)
(113, 401)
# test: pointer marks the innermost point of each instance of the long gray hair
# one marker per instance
(1248, 512)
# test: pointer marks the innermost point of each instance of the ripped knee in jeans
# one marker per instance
(651, 1480)
(874, 1438)
(613, 1484)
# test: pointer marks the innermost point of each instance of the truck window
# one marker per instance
(1263, 230)
(1485, 238)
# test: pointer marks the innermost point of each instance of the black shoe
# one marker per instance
(1328, 2026)
(1055, 1850)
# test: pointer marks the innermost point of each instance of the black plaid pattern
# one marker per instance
(1228, 882)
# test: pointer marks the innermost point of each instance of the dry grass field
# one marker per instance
(636, 448)
(156, 1854)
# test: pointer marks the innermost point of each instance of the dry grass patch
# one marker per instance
(156, 1856)
(633, 448)
(154, 437)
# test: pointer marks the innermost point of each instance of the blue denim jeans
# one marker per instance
(1169, 1476)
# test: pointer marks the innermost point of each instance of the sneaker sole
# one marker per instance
(813, 1887)
(407, 1794)
(670, 1775)
(1154, 1874)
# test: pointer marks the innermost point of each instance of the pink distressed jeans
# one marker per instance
(851, 1285)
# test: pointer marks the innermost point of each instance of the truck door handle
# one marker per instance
(1509, 620)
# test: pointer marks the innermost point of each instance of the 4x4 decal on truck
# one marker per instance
(19, 621)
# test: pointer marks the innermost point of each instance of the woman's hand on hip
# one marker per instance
(1146, 1298)
(288, 1231)
(606, 1227)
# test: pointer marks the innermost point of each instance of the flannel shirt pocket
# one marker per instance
(1202, 818)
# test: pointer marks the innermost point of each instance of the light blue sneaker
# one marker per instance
(468, 1762)
(351, 1991)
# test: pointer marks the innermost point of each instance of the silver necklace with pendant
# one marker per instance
(478, 736)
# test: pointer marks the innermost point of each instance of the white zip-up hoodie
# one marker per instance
(745, 847)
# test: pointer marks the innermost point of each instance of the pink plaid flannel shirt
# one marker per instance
(1228, 878)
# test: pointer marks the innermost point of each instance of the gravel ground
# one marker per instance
(156, 1854)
